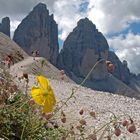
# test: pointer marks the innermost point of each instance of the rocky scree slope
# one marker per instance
(100, 102)
(8, 46)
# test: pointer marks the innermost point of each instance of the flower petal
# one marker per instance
(51, 95)
(44, 82)
(37, 94)
(48, 106)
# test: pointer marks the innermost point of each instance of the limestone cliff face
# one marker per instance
(121, 70)
(123, 73)
(82, 49)
(39, 31)
(5, 26)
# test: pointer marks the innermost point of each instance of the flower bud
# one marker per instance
(117, 132)
(81, 112)
(131, 128)
(82, 122)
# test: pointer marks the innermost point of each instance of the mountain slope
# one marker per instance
(7, 46)
(36, 67)
(42, 66)
(100, 102)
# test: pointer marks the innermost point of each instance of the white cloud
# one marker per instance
(128, 48)
(67, 14)
(96, 15)
(113, 15)
(13, 26)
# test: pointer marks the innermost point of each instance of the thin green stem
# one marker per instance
(5, 137)
(103, 133)
(23, 131)
(104, 126)
(82, 83)
(94, 66)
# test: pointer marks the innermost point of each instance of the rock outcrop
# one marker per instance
(121, 70)
(5, 26)
(123, 73)
(82, 49)
(135, 82)
(39, 31)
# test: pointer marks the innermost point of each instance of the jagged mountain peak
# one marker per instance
(39, 31)
(86, 22)
(86, 32)
(40, 7)
(5, 26)
(5, 19)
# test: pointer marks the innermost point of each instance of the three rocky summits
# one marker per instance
(83, 47)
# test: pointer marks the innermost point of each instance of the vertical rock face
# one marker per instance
(5, 26)
(82, 49)
(121, 70)
(39, 31)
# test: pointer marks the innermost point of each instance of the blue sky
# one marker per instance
(118, 20)
(133, 28)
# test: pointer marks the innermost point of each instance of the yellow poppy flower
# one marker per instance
(44, 95)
